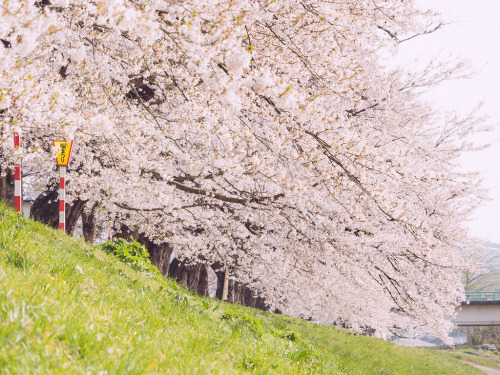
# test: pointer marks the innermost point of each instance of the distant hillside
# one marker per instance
(492, 245)
(489, 281)
(67, 307)
(494, 255)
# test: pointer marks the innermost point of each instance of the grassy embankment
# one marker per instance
(485, 358)
(68, 307)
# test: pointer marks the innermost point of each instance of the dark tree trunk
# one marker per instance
(195, 276)
(89, 224)
(160, 254)
(7, 187)
(73, 213)
(261, 304)
(7, 180)
(236, 292)
(46, 208)
(219, 272)
(242, 294)
(203, 283)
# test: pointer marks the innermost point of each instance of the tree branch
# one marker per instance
(188, 189)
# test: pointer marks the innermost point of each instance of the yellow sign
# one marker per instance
(64, 150)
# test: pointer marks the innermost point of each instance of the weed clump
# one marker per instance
(132, 253)
(239, 319)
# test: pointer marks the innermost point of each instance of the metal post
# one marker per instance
(62, 197)
(225, 287)
(18, 190)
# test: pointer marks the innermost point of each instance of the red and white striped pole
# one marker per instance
(18, 190)
(62, 198)
(64, 151)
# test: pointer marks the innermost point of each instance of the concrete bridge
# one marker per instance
(479, 309)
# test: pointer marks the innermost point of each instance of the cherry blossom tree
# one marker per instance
(262, 135)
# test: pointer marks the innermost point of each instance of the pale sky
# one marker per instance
(472, 32)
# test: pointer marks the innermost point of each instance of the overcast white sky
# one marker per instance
(473, 32)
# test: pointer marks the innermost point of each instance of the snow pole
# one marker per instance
(62, 198)
(18, 188)
(64, 150)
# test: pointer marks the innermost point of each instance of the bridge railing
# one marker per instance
(482, 296)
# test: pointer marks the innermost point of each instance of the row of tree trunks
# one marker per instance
(193, 276)
(241, 293)
(236, 291)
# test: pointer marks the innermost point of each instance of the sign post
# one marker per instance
(18, 188)
(64, 150)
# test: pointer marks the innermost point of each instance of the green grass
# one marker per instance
(480, 357)
(67, 307)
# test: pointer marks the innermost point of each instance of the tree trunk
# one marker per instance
(160, 256)
(235, 292)
(242, 294)
(73, 213)
(7, 187)
(89, 224)
(6, 180)
(194, 277)
(217, 267)
(46, 208)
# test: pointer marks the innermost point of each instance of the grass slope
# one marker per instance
(479, 357)
(67, 307)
